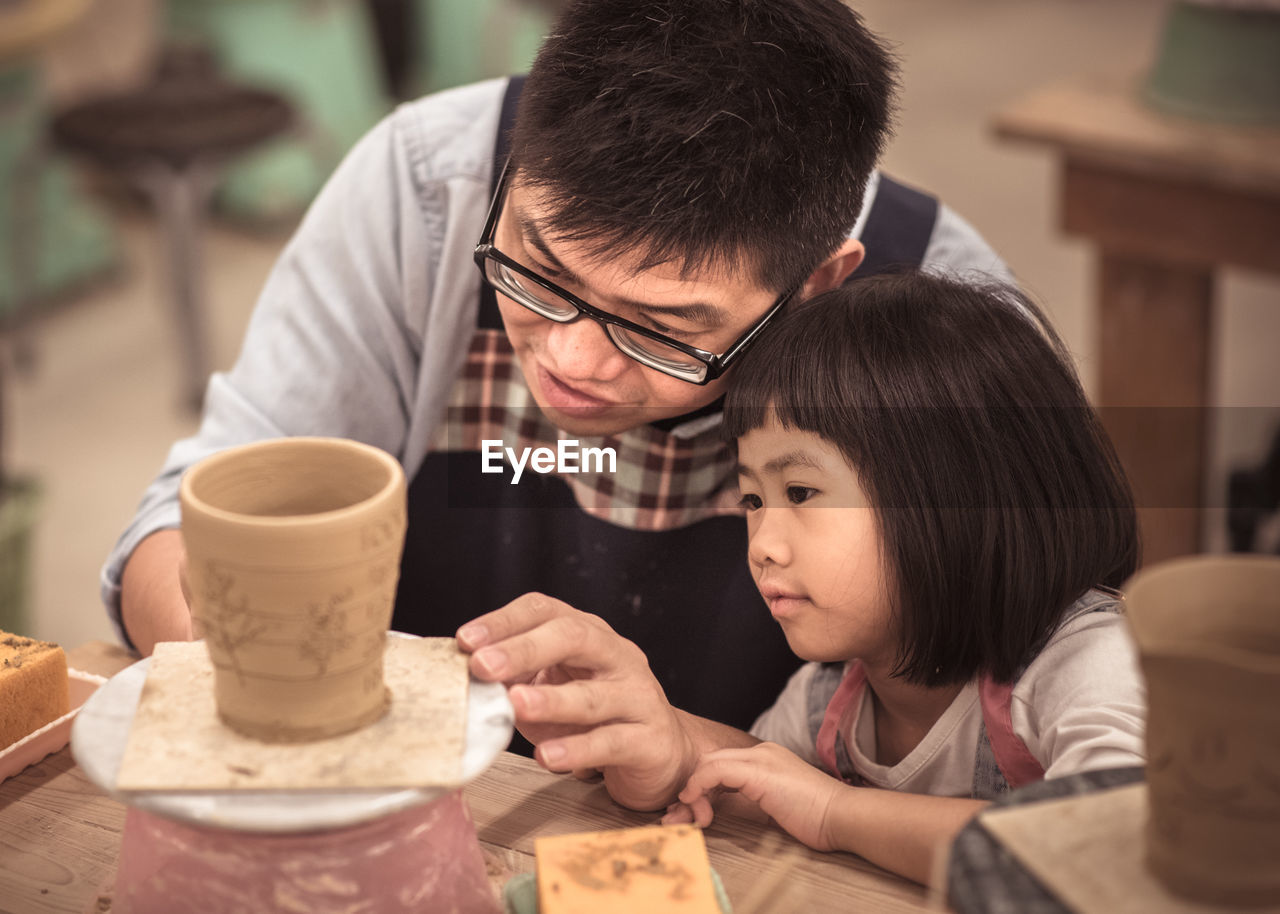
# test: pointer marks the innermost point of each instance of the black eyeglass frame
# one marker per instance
(714, 365)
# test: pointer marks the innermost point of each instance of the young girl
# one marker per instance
(936, 520)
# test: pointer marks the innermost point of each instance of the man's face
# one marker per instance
(585, 384)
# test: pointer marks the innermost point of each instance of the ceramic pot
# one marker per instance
(1208, 632)
(293, 553)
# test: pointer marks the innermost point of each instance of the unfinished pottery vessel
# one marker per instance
(1208, 631)
(293, 554)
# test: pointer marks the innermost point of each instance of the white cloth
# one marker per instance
(1080, 706)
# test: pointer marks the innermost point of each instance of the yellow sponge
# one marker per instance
(33, 686)
(625, 871)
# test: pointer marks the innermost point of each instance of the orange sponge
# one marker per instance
(625, 871)
(33, 686)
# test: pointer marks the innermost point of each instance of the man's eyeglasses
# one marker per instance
(648, 347)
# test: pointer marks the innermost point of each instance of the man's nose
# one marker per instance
(582, 351)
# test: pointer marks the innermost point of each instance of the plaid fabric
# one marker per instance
(984, 877)
(663, 480)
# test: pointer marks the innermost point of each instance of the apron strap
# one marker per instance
(847, 695)
(898, 228)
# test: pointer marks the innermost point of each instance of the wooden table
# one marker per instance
(1168, 202)
(60, 834)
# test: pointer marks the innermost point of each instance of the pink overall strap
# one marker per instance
(847, 693)
(1015, 760)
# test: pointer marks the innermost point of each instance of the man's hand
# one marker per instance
(585, 697)
(799, 797)
(153, 597)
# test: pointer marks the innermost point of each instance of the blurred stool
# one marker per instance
(52, 240)
(170, 139)
(320, 54)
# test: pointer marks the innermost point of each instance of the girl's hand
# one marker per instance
(799, 797)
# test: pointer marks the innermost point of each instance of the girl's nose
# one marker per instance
(766, 538)
(583, 352)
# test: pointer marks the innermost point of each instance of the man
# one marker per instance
(678, 172)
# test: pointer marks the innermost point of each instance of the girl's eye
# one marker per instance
(798, 495)
(750, 502)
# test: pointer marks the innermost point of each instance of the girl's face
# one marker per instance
(814, 547)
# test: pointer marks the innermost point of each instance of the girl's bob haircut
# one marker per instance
(999, 497)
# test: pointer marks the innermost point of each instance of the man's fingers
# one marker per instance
(575, 639)
(521, 614)
(607, 746)
(584, 702)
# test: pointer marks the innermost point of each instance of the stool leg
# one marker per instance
(27, 246)
(180, 197)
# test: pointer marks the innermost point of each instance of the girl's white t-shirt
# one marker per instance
(1080, 706)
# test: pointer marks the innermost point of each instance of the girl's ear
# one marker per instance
(835, 269)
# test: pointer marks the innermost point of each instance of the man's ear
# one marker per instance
(835, 269)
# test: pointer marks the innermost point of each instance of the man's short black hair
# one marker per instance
(736, 133)
(999, 498)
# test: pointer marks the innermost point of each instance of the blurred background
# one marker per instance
(99, 254)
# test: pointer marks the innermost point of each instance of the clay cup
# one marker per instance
(293, 554)
(1208, 632)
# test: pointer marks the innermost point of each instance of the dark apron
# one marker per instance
(684, 595)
